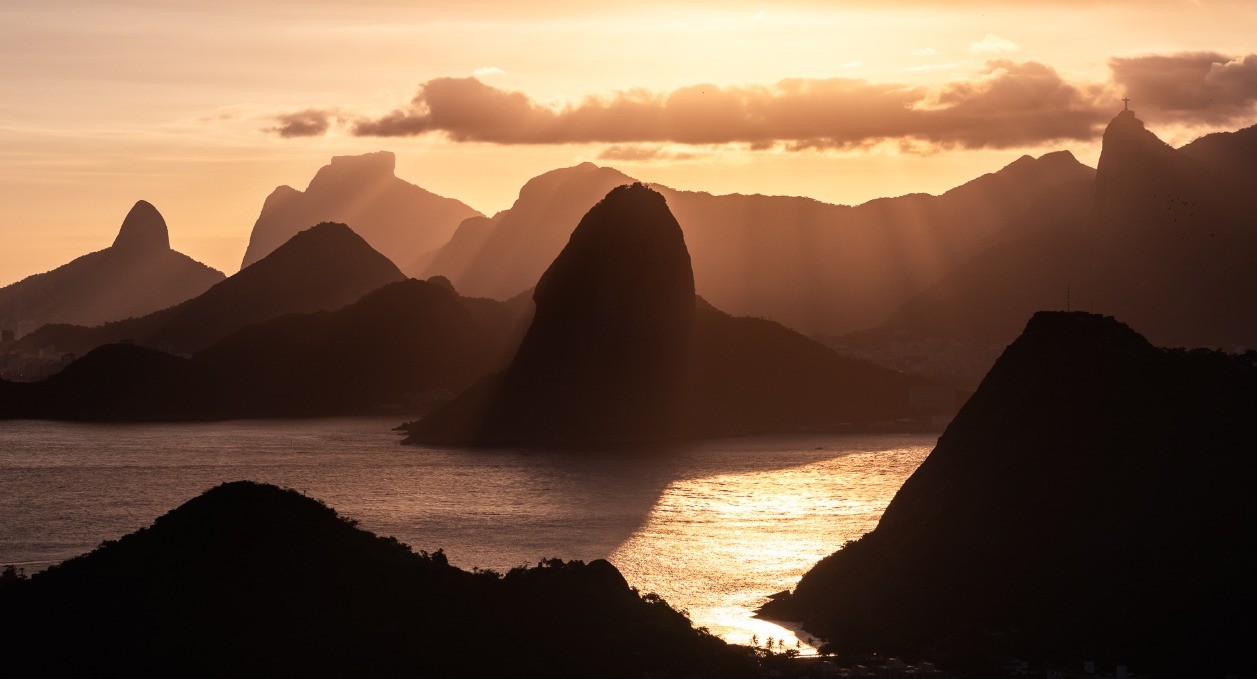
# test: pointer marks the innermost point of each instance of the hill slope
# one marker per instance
(1090, 501)
(137, 275)
(324, 267)
(399, 349)
(397, 218)
(251, 580)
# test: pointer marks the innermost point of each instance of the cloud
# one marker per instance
(308, 123)
(638, 153)
(993, 44)
(1196, 87)
(487, 71)
(1007, 105)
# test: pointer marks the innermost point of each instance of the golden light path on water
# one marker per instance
(718, 545)
(713, 527)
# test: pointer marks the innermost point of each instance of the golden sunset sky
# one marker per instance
(204, 107)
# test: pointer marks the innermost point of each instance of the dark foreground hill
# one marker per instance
(1091, 501)
(324, 267)
(621, 350)
(251, 580)
(137, 275)
(396, 349)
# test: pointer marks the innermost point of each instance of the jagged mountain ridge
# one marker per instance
(1165, 243)
(795, 260)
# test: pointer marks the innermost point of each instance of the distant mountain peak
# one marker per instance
(144, 229)
(370, 167)
(380, 161)
(1062, 156)
(1141, 180)
(399, 219)
(326, 235)
(1027, 167)
(1125, 128)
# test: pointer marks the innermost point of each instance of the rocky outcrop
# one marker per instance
(144, 230)
(605, 357)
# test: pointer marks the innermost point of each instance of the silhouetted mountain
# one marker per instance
(604, 358)
(388, 349)
(616, 353)
(795, 260)
(137, 275)
(829, 269)
(397, 218)
(251, 580)
(324, 267)
(1090, 501)
(1233, 155)
(404, 347)
(113, 382)
(505, 255)
(1166, 243)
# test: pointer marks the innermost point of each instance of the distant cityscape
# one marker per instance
(24, 366)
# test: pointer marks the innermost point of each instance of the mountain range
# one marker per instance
(622, 350)
(324, 267)
(619, 349)
(401, 348)
(815, 267)
(1165, 243)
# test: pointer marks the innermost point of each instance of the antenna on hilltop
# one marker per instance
(1125, 103)
(1067, 300)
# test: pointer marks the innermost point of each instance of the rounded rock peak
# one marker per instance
(144, 229)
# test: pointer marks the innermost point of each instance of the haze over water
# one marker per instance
(713, 528)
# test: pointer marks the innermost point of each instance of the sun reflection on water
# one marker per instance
(717, 546)
(714, 527)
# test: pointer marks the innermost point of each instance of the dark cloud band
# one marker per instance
(1007, 104)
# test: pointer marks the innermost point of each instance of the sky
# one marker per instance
(203, 108)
